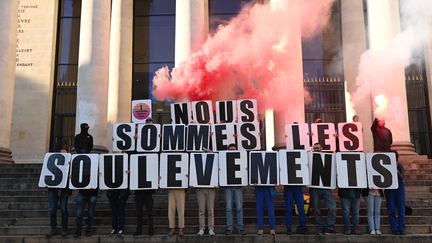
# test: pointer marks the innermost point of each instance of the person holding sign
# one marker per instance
(395, 199)
(350, 201)
(206, 197)
(373, 199)
(234, 195)
(264, 197)
(54, 196)
(117, 199)
(294, 194)
(318, 194)
(144, 197)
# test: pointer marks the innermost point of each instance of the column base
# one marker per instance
(404, 148)
(6, 155)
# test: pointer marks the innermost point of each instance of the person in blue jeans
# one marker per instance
(373, 199)
(350, 201)
(89, 197)
(395, 199)
(318, 194)
(117, 199)
(234, 195)
(54, 196)
(265, 196)
(294, 194)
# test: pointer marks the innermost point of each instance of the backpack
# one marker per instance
(306, 202)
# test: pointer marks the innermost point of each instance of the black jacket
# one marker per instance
(83, 140)
(382, 137)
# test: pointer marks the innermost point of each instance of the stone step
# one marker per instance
(161, 219)
(220, 238)
(192, 229)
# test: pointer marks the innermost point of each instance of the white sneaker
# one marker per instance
(211, 232)
(378, 232)
(200, 232)
(373, 232)
(260, 232)
(272, 232)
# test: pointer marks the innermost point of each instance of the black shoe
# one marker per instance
(395, 232)
(354, 232)
(64, 233)
(138, 232)
(88, 233)
(330, 230)
(241, 232)
(151, 231)
(347, 232)
(288, 231)
(77, 234)
(323, 232)
(228, 232)
(53, 232)
(401, 232)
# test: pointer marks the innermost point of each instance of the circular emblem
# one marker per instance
(141, 111)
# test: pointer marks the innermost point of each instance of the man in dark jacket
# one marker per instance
(83, 140)
(382, 136)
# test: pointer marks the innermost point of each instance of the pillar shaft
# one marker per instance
(120, 65)
(354, 44)
(93, 61)
(8, 38)
(192, 27)
(384, 25)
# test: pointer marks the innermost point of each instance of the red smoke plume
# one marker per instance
(247, 58)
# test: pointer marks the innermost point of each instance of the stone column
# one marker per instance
(384, 25)
(428, 69)
(93, 60)
(353, 45)
(8, 38)
(294, 63)
(120, 65)
(192, 27)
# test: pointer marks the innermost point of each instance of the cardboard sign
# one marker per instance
(173, 137)
(181, 113)
(294, 167)
(350, 136)
(351, 170)
(382, 170)
(113, 170)
(84, 171)
(148, 138)
(55, 170)
(198, 138)
(174, 170)
(248, 136)
(141, 110)
(202, 112)
(222, 136)
(247, 111)
(297, 136)
(123, 137)
(233, 169)
(263, 168)
(324, 134)
(226, 111)
(322, 170)
(144, 171)
(204, 170)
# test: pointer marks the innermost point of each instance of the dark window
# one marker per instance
(323, 71)
(153, 48)
(66, 73)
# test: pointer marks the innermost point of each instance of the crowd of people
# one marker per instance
(264, 195)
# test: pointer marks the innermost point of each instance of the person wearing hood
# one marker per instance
(83, 140)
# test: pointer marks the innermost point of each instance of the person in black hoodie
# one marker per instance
(83, 140)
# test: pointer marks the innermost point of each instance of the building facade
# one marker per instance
(70, 61)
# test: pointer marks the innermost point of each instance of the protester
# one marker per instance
(84, 144)
(144, 197)
(373, 206)
(206, 198)
(395, 199)
(264, 198)
(117, 199)
(382, 136)
(176, 203)
(234, 195)
(350, 201)
(87, 196)
(56, 195)
(294, 194)
(318, 194)
(83, 140)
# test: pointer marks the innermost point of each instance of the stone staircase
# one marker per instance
(24, 213)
